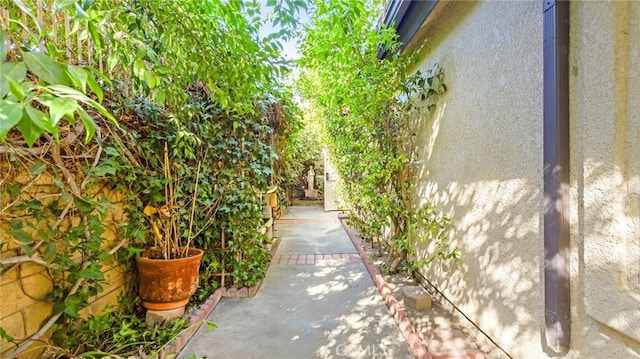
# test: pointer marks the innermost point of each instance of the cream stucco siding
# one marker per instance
(483, 152)
(605, 178)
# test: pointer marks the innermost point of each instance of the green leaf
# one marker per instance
(16, 90)
(45, 99)
(78, 76)
(139, 68)
(43, 235)
(14, 70)
(14, 191)
(58, 182)
(104, 170)
(210, 325)
(151, 79)
(4, 336)
(71, 309)
(111, 151)
(99, 74)
(45, 68)
(93, 85)
(34, 205)
(89, 124)
(160, 97)
(65, 91)
(60, 107)
(30, 132)
(162, 70)
(95, 35)
(83, 206)
(133, 252)
(91, 272)
(21, 236)
(112, 62)
(41, 119)
(27, 250)
(10, 115)
(37, 169)
(49, 252)
(61, 4)
(53, 51)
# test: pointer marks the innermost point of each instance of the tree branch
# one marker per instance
(25, 259)
(18, 197)
(34, 151)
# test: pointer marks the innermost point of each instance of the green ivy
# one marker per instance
(367, 107)
(238, 161)
(196, 76)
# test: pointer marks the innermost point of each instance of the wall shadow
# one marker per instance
(497, 223)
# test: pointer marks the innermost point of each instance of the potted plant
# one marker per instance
(168, 272)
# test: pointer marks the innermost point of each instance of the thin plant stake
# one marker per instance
(168, 196)
(193, 210)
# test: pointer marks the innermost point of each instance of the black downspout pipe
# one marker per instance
(557, 306)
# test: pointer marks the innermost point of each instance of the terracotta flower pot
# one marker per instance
(167, 284)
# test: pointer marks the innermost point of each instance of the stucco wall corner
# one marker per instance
(605, 71)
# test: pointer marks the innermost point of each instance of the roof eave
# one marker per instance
(406, 16)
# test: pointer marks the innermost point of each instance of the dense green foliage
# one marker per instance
(368, 106)
(302, 150)
(92, 92)
(161, 49)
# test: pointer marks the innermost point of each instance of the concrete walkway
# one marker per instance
(317, 301)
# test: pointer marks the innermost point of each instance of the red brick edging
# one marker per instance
(202, 312)
(316, 259)
(418, 348)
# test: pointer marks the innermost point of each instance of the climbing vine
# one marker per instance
(368, 106)
(90, 94)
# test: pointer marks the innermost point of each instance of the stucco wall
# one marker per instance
(483, 167)
(605, 178)
(483, 164)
